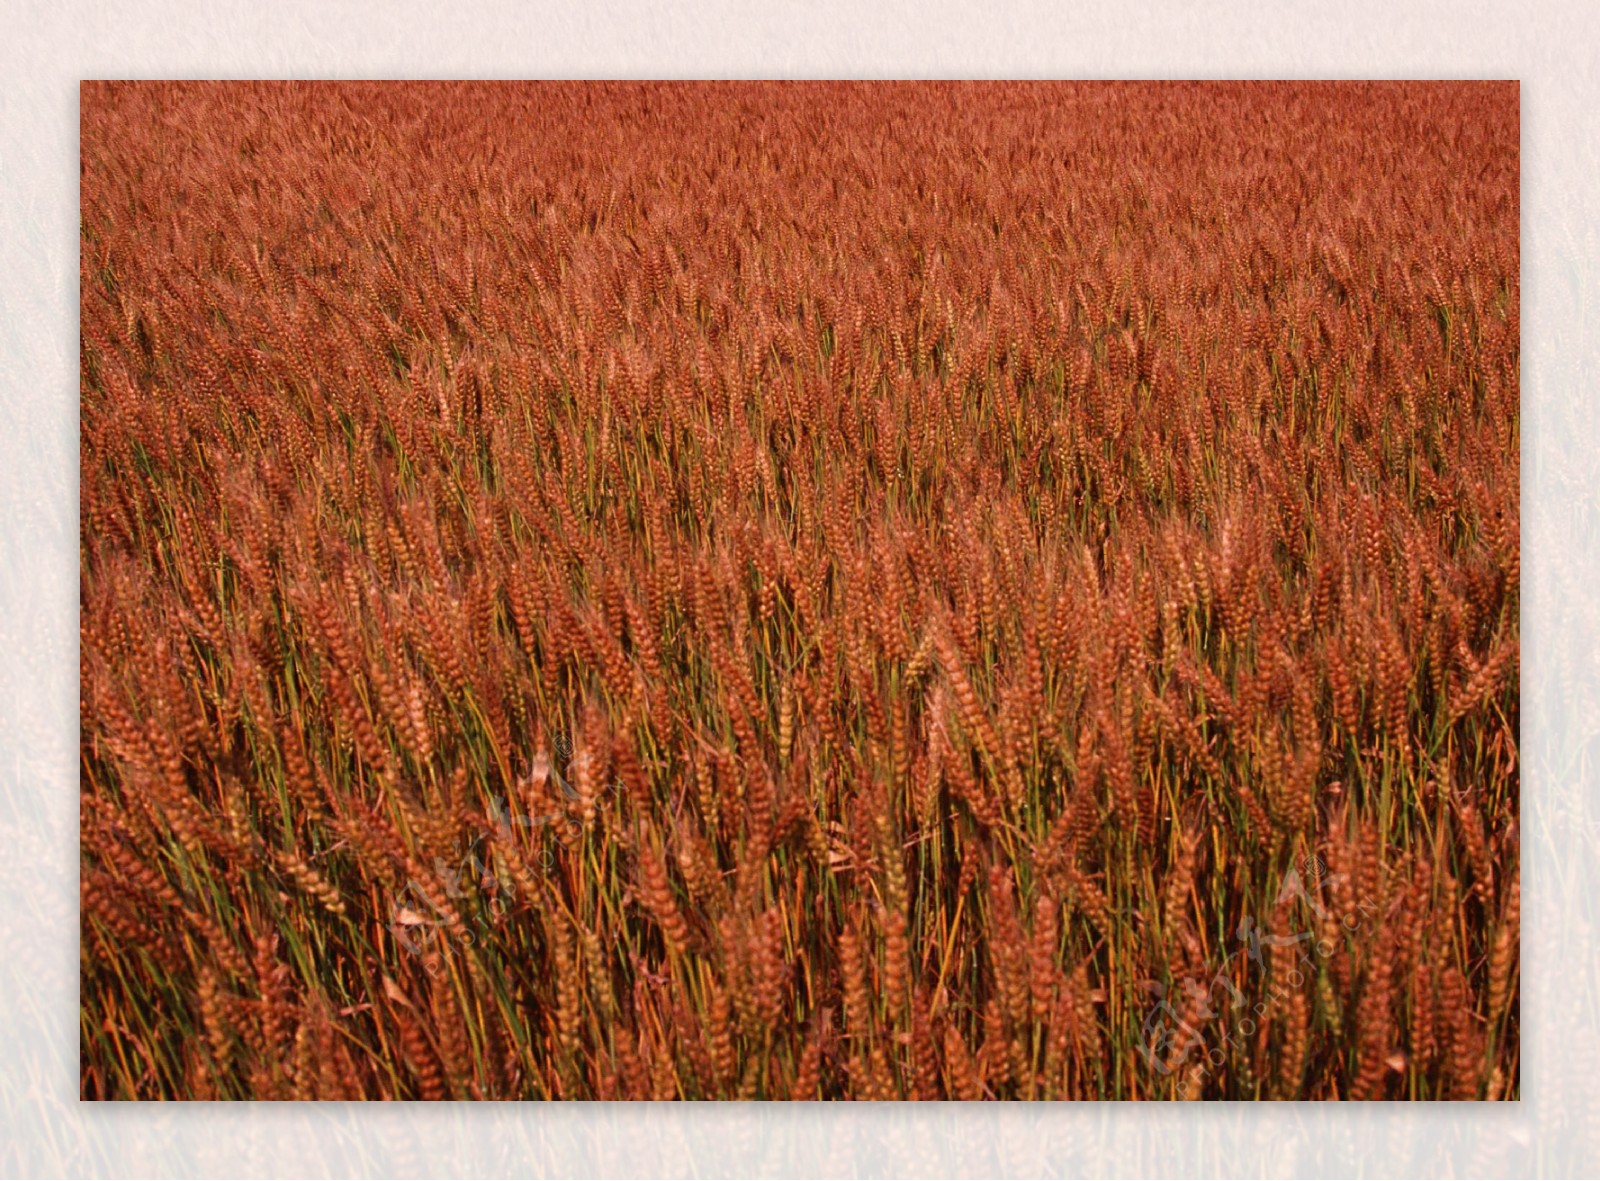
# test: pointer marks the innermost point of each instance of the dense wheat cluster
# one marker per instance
(800, 591)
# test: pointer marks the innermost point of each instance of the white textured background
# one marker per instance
(47, 49)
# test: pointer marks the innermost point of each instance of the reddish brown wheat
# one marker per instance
(816, 591)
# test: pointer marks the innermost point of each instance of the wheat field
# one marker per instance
(799, 591)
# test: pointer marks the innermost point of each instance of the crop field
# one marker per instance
(799, 591)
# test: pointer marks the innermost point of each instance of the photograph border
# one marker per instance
(1554, 1130)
